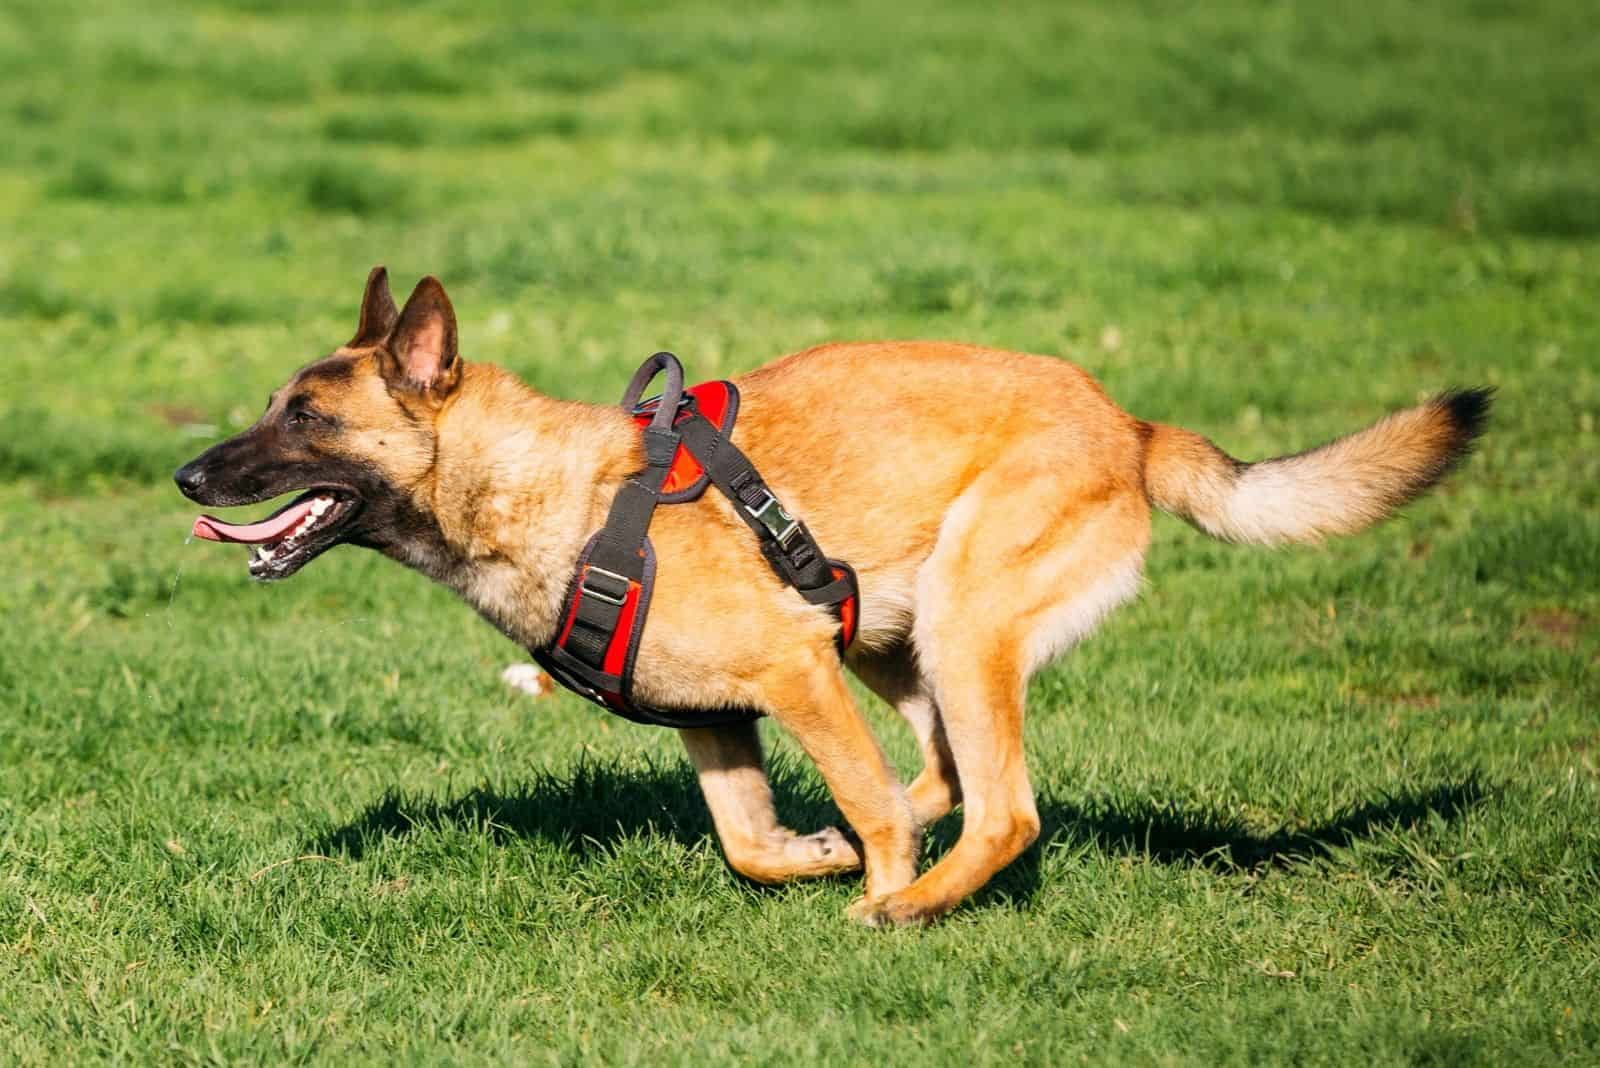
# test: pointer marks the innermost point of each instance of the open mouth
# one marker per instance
(289, 538)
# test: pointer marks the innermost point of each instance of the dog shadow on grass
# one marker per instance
(1173, 834)
(587, 809)
(596, 806)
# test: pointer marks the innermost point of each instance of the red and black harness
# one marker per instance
(687, 444)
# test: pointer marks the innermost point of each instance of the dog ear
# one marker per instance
(378, 312)
(422, 345)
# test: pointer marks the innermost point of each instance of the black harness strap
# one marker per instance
(609, 598)
(786, 542)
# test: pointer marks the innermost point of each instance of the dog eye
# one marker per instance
(301, 418)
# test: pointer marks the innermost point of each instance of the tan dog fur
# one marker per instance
(994, 505)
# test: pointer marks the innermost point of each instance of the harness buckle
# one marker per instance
(616, 594)
(778, 522)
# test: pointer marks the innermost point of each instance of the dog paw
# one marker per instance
(889, 910)
(864, 911)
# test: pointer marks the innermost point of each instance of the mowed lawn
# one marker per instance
(1337, 805)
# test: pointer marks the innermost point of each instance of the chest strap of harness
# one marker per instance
(609, 598)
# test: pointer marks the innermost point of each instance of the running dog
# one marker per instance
(995, 506)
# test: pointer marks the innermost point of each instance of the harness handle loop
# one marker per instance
(671, 395)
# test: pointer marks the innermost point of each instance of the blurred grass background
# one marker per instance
(1317, 806)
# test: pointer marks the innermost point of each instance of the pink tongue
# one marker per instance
(271, 528)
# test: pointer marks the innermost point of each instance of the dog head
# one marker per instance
(353, 432)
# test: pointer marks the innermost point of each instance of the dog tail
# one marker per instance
(1338, 488)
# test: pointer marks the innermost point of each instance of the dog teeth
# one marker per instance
(264, 554)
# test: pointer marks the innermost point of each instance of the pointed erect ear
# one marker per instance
(422, 345)
(378, 312)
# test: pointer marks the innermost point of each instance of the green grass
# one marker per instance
(1329, 806)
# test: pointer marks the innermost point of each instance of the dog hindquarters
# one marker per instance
(734, 781)
(1023, 566)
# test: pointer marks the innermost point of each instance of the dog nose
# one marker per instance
(190, 477)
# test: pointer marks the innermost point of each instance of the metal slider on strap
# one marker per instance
(771, 515)
(611, 587)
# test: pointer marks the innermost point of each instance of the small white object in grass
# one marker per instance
(529, 679)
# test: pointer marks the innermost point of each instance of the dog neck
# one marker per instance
(520, 481)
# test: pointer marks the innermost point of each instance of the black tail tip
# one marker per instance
(1468, 410)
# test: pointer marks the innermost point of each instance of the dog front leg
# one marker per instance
(809, 698)
(733, 778)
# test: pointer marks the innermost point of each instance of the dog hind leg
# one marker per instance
(894, 677)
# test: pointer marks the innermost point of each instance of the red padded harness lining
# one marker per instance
(711, 398)
(847, 616)
(616, 657)
(617, 651)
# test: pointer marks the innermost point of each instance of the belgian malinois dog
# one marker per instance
(994, 505)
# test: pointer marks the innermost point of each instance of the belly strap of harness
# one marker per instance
(786, 542)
